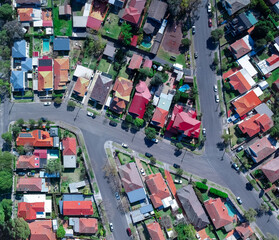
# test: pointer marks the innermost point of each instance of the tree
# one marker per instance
(7, 137)
(226, 138)
(174, 7)
(16, 130)
(21, 229)
(20, 150)
(60, 232)
(153, 160)
(58, 100)
(150, 133)
(53, 166)
(71, 104)
(32, 123)
(95, 46)
(6, 206)
(215, 61)
(260, 43)
(185, 231)
(217, 34)
(28, 148)
(144, 72)
(126, 33)
(179, 146)
(4, 85)
(6, 12)
(157, 80)
(250, 215)
(129, 119)
(179, 171)
(148, 112)
(186, 42)
(20, 122)
(264, 208)
(14, 30)
(138, 122)
(40, 123)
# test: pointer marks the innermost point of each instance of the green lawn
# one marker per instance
(124, 158)
(221, 234)
(180, 58)
(111, 27)
(146, 168)
(37, 44)
(234, 138)
(154, 169)
(112, 72)
(61, 27)
(210, 233)
(103, 66)
(230, 95)
(273, 77)
(263, 56)
(123, 73)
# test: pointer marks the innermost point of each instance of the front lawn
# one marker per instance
(146, 168)
(273, 77)
(111, 27)
(221, 234)
(179, 185)
(124, 158)
(103, 66)
(61, 27)
(180, 58)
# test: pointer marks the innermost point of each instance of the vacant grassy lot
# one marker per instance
(111, 27)
(61, 27)
(180, 58)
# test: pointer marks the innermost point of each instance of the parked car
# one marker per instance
(177, 181)
(176, 165)
(239, 148)
(30, 174)
(149, 155)
(111, 227)
(217, 99)
(43, 119)
(21, 173)
(117, 196)
(193, 29)
(90, 114)
(113, 123)
(209, 7)
(142, 172)
(155, 140)
(129, 232)
(209, 22)
(196, 55)
(47, 103)
(198, 236)
(234, 165)
(215, 88)
(203, 131)
(124, 145)
(239, 200)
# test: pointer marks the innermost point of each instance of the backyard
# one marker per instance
(37, 44)
(273, 77)
(180, 58)
(111, 27)
(103, 66)
(62, 27)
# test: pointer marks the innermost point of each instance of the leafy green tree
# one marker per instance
(138, 122)
(6, 12)
(20, 150)
(126, 33)
(95, 46)
(179, 146)
(4, 85)
(217, 34)
(153, 160)
(40, 123)
(7, 137)
(179, 171)
(157, 80)
(53, 166)
(16, 130)
(148, 112)
(264, 208)
(20, 122)
(226, 138)
(71, 104)
(250, 215)
(14, 31)
(58, 100)
(60, 232)
(144, 72)
(20, 229)
(129, 119)
(185, 231)
(150, 133)
(186, 42)
(260, 43)
(32, 123)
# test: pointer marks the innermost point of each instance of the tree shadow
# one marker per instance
(57, 105)
(70, 109)
(125, 126)
(249, 186)
(177, 153)
(220, 146)
(211, 44)
(148, 142)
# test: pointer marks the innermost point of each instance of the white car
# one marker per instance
(239, 200)
(209, 7)
(203, 131)
(215, 88)
(111, 227)
(47, 103)
(142, 172)
(155, 140)
(124, 145)
(217, 99)
(193, 29)
(90, 114)
(177, 181)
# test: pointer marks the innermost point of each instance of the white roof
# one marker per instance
(155, 100)
(263, 85)
(276, 46)
(35, 61)
(79, 34)
(48, 208)
(49, 31)
(174, 205)
(111, 1)
(163, 26)
(79, 21)
(69, 161)
(178, 66)
(108, 101)
(258, 91)
(247, 39)
(38, 23)
(266, 68)
(54, 225)
(31, 198)
(248, 77)
(167, 201)
(83, 72)
(35, 84)
(179, 216)
(36, 14)
(246, 64)
(87, 9)
(29, 75)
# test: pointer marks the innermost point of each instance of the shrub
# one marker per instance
(218, 193)
(201, 186)
(198, 193)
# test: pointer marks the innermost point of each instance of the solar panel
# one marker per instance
(25, 135)
(40, 134)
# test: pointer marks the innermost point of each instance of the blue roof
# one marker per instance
(26, 65)
(136, 195)
(19, 49)
(61, 44)
(146, 209)
(251, 17)
(17, 80)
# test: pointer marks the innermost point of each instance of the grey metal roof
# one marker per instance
(79, 21)
(75, 186)
(53, 132)
(109, 50)
(157, 10)
(75, 223)
(148, 28)
(264, 109)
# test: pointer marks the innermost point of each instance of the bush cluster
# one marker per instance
(218, 193)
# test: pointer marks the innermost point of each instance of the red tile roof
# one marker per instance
(147, 63)
(118, 105)
(138, 4)
(94, 23)
(28, 211)
(157, 188)
(81, 86)
(61, 72)
(41, 230)
(272, 2)
(36, 138)
(134, 41)
(41, 153)
(28, 162)
(240, 48)
(29, 184)
(239, 82)
(77, 208)
(244, 230)
(246, 103)
(274, 58)
(123, 88)
(218, 213)
(135, 61)
(131, 15)
(230, 72)
(25, 14)
(69, 146)
(271, 170)
(159, 117)
(257, 123)
(88, 225)
(155, 231)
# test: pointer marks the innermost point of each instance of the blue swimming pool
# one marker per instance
(230, 208)
(45, 45)
(53, 153)
(146, 44)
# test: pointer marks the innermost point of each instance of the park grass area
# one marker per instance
(62, 27)
(273, 77)
(180, 58)
(103, 66)
(111, 27)
(124, 158)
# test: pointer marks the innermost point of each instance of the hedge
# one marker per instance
(201, 185)
(218, 193)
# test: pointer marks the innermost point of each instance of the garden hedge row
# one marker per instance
(201, 185)
(218, 193)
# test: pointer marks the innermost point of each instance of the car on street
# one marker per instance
(239, 200)
(129, 232)
(196, 55)
(117, 196)
(43, 119)
(193, 29)
(209, 7)
(215, 88)
(177, 181)
(209, 22)
(155, 140)
(149, 155)
(111, 227)
(90, 114)
(142, 172)
(176, 165)
(239, 148)
(47, 103)
(234, 165)
(113, 123)
(203, 131)
(217, 99)
(124, 145)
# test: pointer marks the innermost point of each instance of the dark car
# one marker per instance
(21, 173)
(113, 123)
(149, 155)
(176, 165)
(117, 196)
(129, 232)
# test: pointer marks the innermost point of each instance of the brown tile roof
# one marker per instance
(88, 225)
(25, 14)
(29, 184)
(271, 170)
(240, 48)
(41, 230)
(155, 231)
(159, 117)
(239, 82)
(157, 188)
(61, 72)
(244, 230)
(118, 105)
(28, 162)
(81, 86)
(123, 88)
(135, 61)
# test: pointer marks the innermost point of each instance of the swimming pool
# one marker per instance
(232, 211)
(52, 154)
(45, 45)
(146, 44)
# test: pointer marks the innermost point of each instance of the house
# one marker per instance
(65, 11)
(155, 231)
(135, 62)
(241, 81)
(271, 169)
(122, 89)
(262, 148)
(34, 206)
(28, 15)
(20, 49)
(132, 13)
(233, 6)
(62, 45)
(183, 120)
(275, 85)
(61, 68)
(35, 138)
(141, 98)
(158, 189)
(256, 124)
(18, 81)
(242, 46)
(80, 88)
(45, 74)
(246, 103)
(22, 3)
(41, 230)
(73, 187)
(79, 26)
(159, 117)
(69, 146)
(26, 65)
(272, 2)
(83, 72)
(94, 23)
(147, 63)
(244, 230)
(77, 208)
(156, 13)
(268, 65)
(264, 109)
(192, 207)
(101, 88)
(31, 185)
(84, 225)
(117, 3)
(218, 213)
(109, 51)
(132, 182)
(28, 162)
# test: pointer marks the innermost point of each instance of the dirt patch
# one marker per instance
(172, 38)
